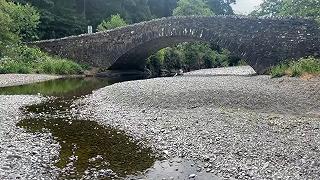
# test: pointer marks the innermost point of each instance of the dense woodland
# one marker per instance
(29, 20)
(61, 18)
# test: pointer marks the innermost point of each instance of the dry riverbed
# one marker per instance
(209, 123)
(24, 155)
(232, 124)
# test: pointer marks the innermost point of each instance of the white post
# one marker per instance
(89, 29)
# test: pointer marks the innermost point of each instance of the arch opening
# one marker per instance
(205, 53)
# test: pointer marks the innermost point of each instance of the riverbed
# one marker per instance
(208, 124)
(234, 125)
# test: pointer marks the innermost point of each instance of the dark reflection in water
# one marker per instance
(66, 87)
(88, 150)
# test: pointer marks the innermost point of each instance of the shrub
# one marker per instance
(22, 59)
(11, 66)
(279, 70)
(297, 68)
(59, 66)
(172, 59)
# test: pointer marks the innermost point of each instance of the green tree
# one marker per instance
(163, 8)
(221, 6)
(59, 18)
(192, 7)
(268, 8)
(114, 22)
(172, 59)
(17, 22)
(303, 8)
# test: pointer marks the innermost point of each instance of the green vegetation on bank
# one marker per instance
(301, 8)
(25, 60)
(304, 66)
(19, 23)
(190, 56)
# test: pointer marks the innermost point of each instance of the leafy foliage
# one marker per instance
(221, 6)
(268, 8)
(192, 7)
(162, 8)
(301, 67)
(16, 22)
(190, 56)
(60, 18)
(114, 22)
(22, 59)
(303, 8)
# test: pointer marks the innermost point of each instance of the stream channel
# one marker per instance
(88, 149)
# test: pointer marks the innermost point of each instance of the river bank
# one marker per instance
(24, 155)
(20, 79)
(237, 125)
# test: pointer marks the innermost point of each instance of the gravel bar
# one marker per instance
(24, 155)
(20, 79)
(237, 125)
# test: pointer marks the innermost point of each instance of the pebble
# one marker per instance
(225, 112)
(24, 155)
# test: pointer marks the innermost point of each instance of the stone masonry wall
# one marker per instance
(262, 42)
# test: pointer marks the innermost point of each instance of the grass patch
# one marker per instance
(301, 67)
(25, 60)
(61, 66)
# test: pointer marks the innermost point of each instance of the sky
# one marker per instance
(245, 6)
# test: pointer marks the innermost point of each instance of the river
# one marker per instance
(88, 149)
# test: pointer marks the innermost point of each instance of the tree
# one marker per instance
(17, 22)
(162, 8)
(221, 6)
(192, 7)
(59, 18)
(303, 8)
(114, 22)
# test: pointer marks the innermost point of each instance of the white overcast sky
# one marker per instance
(246, 6)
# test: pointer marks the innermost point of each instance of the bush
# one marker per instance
(11, 66)
(155, 62)
(298, 68)
(60, 66)
(24, 60)
(172, 59)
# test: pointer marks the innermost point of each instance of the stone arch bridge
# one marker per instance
(262, 42)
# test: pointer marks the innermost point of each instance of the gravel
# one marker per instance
(236, 125)
(24, 155)
(20, 79)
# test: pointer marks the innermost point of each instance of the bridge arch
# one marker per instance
(261, 42)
